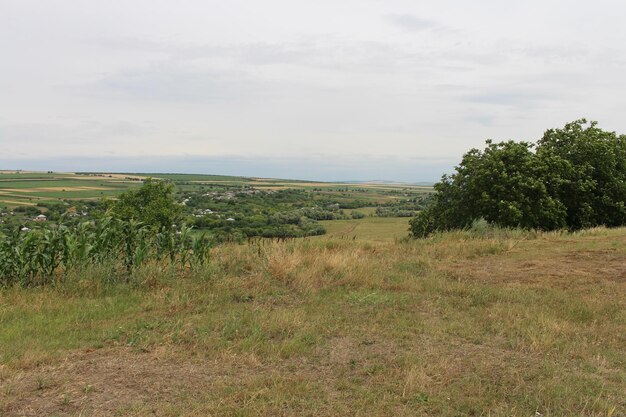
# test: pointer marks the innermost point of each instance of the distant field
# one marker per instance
(195, 177)
(28, 188)
(378, 229)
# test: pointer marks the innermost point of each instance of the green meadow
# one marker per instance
(460, 324)
(362, 320)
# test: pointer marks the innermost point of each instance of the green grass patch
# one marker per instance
(381, 229)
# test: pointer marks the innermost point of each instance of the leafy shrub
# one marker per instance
(572, 178)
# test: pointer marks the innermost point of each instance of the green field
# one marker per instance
(376, 229)
(30, 188)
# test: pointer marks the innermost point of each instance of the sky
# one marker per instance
(325, 90)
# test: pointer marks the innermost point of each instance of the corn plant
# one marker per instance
(39, 256)
(200, 247)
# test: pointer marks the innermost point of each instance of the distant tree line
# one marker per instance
(573, 178)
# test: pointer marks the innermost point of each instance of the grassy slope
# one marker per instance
(451, 326)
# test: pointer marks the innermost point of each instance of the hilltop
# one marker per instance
(483, 322)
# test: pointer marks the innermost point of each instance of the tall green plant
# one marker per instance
(39, 256)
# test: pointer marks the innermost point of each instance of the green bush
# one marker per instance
(572, 178)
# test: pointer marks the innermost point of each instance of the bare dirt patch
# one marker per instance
(98, 383)
(109, 381)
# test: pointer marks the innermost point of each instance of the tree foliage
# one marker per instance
(152, 204)
(573, 177)
(589, 168)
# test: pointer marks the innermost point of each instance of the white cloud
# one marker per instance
(411, 23)
(282, 79)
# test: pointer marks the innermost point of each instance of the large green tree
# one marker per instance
(588, 167)
(153, 204)
(573, 177)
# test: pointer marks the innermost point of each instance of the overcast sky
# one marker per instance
(334, 90)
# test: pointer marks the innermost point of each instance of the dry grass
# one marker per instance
(512, 325)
